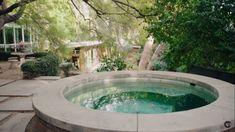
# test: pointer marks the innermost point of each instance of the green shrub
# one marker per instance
(38, 54)
(29, 69)
(159, 65)
(112, 64)
(66, 68)
(44, 66)
(5, 55)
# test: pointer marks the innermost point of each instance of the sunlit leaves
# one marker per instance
(198, 32)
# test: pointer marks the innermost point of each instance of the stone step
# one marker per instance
(3, 99)
(17, 104)
(4, 82)
(21, 87)
(4, 115)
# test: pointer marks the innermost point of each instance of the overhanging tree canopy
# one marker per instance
(13, 12)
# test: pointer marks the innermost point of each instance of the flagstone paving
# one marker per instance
(4, 115)
(16, 103)
(21, 87)
(4, 81)
(17, 123)
(3, 99)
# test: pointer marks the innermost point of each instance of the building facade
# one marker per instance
(14, 38)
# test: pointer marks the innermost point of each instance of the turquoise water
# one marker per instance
(141, 96)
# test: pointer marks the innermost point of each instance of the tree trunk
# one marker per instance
(156, 55)
(146, 54)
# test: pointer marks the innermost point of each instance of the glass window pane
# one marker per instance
(26, 35)
(9, 35)
(1, 37)
(18, 35)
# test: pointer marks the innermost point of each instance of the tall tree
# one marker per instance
(197, 32)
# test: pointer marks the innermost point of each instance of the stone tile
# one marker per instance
(17, 123)
(17, 104)
(3, 81)
(3, 115)
(3, 98)
(21, 87)
(48, 78)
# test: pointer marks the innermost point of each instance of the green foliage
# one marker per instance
(159, 65)
(112, 64)
(117, 29)
(45, 66)
(197, 32)
(40, 54)
(5, 55)
(66, 68)
(53, 22)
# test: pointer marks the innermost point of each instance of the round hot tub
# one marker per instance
(137, 101)
(140, 95)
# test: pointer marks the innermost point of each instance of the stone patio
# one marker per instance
(16, 103)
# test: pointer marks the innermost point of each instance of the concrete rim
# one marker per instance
(50, 105)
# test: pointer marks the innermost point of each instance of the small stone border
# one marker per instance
(51, 106)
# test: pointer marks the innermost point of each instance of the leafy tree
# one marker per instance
(54, 24)
(109, 23)
(13, 12)
(197, 32)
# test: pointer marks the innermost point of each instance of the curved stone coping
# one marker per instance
(51, 106)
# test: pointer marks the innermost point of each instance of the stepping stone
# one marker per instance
(3, 81)
(3, 115)
(21, 87)
(3, 98)
(17, 104)
(17, 123)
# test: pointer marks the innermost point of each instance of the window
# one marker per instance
(1, 37)
(26, 35)
(9, 35)
(18, 34)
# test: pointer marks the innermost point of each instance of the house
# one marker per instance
(13, 37)
(86, 55)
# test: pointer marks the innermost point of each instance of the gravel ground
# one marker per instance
(13, 73)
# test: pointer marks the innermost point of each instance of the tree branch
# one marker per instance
(141, 14)
(122, 6)
(4, 12)
(76, 7)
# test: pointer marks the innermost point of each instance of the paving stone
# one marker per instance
(3, 81)
(17, 123)
(21, 87)
(48, 78)
(2, 99)
(3, 115)
(17, 104)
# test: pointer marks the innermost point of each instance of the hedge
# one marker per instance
(44, 66)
